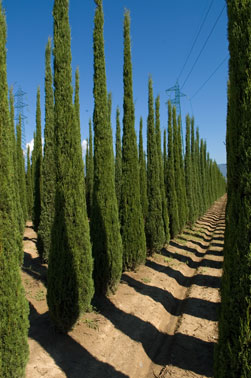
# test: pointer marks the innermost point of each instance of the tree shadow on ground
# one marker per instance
(198, 279)
(34, 268)
(199, 244)
(156, 344)
(199, 308)
(69, 355)
(188, 260)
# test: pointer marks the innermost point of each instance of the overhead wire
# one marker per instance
(205, 82)
(195, 40)
(203, 47)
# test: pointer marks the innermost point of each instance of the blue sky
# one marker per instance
(162, 33)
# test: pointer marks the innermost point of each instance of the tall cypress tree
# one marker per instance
(19, 211)
(194, 174)
(76, 98)
(49, 166)
(171, 189)
(131, 217)
(233, 355)
(89, 172)
(155, 233)
(161, 171)
(118, 159)
(21, 171)
(70, 285)
(37, 167)
(105, 228)
(29, 192)
(13, 305)
(183, 202)
(188, 172)
(142, 173)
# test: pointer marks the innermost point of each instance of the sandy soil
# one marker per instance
(162, 322)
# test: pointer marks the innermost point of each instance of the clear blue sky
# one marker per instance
(162, 33)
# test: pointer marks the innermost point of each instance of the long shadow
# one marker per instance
(190, 262)
(217, 244)
(196, 307)
(198, 279)
(70, 356)
(157, 344)
(215, 253)
(34, 240)
(197, 235)
(183, 247)
(199, 244)
(34, 268)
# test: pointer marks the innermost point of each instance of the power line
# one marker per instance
(205, 82)
(195, 40)
(203, 47)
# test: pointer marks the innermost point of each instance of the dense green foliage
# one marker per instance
(188, 173)
(37, 167)
(170, 180)
(161, 171)
(233, 354)
(29, 189)
(142, 173)
(89, 172)
(131, 218)
(13, 305)
(105, 228)
(70, 285)
(13, 148)
(48, 167)
(21, 171)
(118, 159)
(155, 233)
(182, 194)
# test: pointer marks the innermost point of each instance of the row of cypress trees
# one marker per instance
(131, 201)
(134, 204)
(233, 353)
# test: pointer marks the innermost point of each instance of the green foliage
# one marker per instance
(131, 217)
(183, 197)
(29, 189)
(188, 173)
(155, 233)
(170, 180)
(70, 285)
(142, 173)
(89, 172)
(19, 211)
(21, 171)
(105, 228)
(49, 166)
(118, 159)
(37, 167)
(233, 353)
(161, 171)
(13, 305)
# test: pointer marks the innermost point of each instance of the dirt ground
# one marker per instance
(162, 321)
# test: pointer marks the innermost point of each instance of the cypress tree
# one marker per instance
(19, 211)
(131, 217)
(165, 161)
(197, 154)
(194, 174)
(171, 189)
(89, 172)
(48, 176)
(155, 233)
(109, 103)
(233, 355)
(188, 172)
(21, 171)
(13, 305)
(70, 285)
(182, 188)
(37, 167)
(29, 192)
(76, 98)
(105, 228)
(142, 173)
(118, 159)
(161, 171)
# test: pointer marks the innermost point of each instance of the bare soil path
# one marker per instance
(162, 322)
